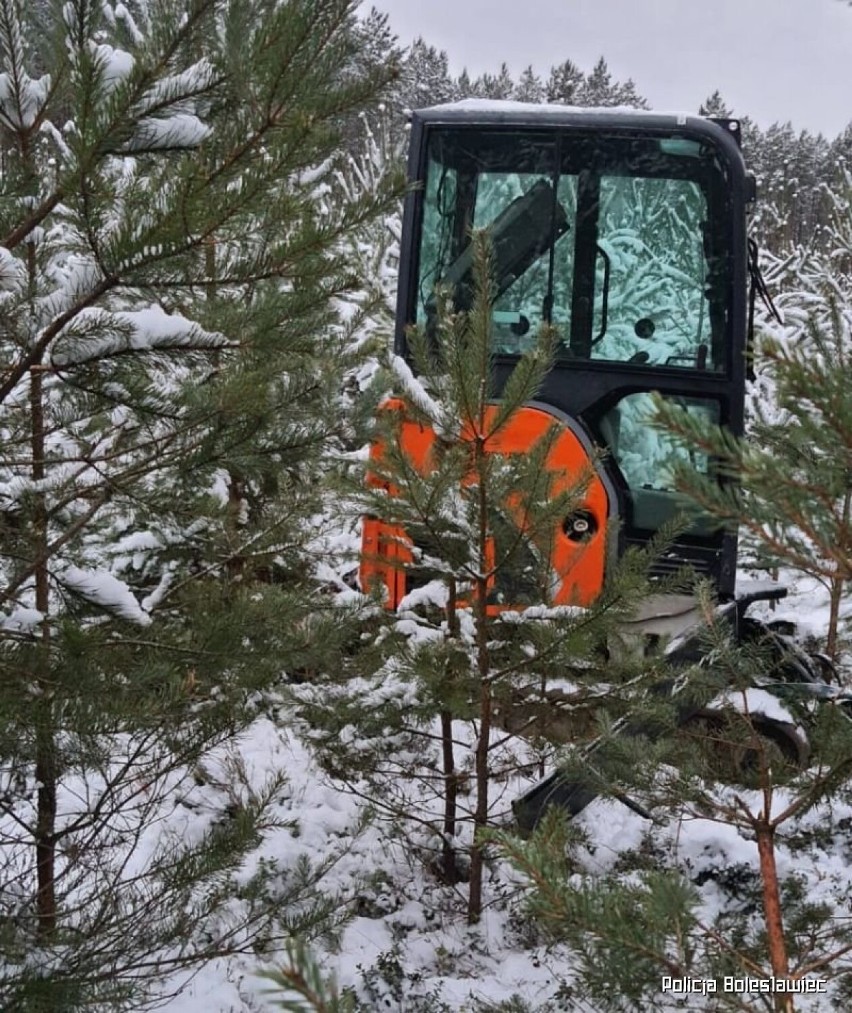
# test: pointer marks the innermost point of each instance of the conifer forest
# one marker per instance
(232, 779)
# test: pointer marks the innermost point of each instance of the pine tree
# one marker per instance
(495, 86)
(625, 93)
(795, 500)
(598, 89)
(564, 84)
(424, 78)
(169, 261)
(463, 87)
(373, 165)
(686, 902)
(770, 763)
(529, 87)
(457, 654)
(715, 106)
(303, 987)
(374, 44)
(793, 172)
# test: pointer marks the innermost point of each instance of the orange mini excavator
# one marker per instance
(625, 230)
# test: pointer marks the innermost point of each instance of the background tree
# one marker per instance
(529, 87)
(495, 86)
(563, 83)
(598, 89)
(424, 78)
(715, 105)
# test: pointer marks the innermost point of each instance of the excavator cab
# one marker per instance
(626, 232)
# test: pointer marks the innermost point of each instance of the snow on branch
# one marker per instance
(414, 390)
(97, 334)
(12, 273)
(101, 588)
(114, 64)
(180, 87)
(22, 620)
(21, 100)
(167, 119)
(121, 13)
(166, 133)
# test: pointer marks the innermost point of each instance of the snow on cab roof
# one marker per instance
(476, 107)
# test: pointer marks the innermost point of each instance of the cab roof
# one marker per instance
(501, 112)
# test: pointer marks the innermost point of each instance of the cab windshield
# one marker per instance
(619, 241)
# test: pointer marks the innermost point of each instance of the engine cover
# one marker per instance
(580, 543)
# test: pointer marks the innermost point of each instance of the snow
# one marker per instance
(21, 101)
(22, 620)
(536, 613)
(612, 829)
(152, 326)
(152, 600)
(415, 390)
(96, 334)
(101, 588)
(417, 926)
(755, 702)
(220, 486)
(12, 273)
(544, 109)
(432, 594)
(178, 130)
(115, 64)
(121, 13)
(173, 87)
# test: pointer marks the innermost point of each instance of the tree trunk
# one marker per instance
(45, 746)
(838, 582)
(482, 773)
(836, 590)
(45, 839)
(765, 833)
(451, 785)
(483, 744)
(448, 850)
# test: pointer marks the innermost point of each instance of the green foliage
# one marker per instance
(305, 987)
(387, 986)
(795, 465)
(174, 257)
(711, 764)
(626, 931)
(448, 697)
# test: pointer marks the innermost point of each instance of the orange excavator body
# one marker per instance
(577, 552)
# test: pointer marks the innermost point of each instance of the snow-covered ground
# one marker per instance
(407, 927)
(407, 945)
